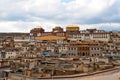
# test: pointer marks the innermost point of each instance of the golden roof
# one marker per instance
(73, 25)
(38, 26)
(49, 38)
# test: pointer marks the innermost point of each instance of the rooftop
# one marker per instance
(49, 38)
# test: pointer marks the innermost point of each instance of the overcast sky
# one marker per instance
(23, 15)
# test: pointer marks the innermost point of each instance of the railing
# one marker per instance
(3, 78)
(22, 77)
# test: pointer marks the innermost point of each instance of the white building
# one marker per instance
(9, 54)
(93, 34)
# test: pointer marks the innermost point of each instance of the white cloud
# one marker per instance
(88, 7)
(42, 8)
(19, 14)
(20, 26)
(14, 26)
(109, 26)
(47, 8)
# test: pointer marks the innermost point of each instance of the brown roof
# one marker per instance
(49, 38)
(84, 43)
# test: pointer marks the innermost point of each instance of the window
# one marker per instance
(94, 48)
